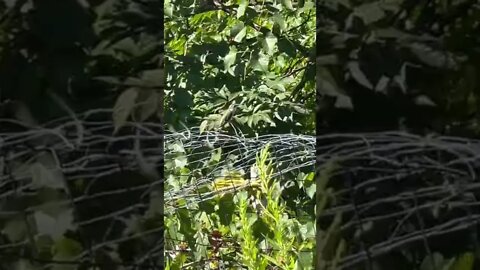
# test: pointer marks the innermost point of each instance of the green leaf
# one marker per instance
(181, 161)
(54, 226)
(305, 260)
(237, 28)
(153, 78)
(239, 37)
(168, 8)
(261, 63)
(23, 264)
(423, 100)
(370, 12)
(311, 190)
(269, 43)
(229, 60)
(156, 204)
(343, 102)
(242, 7)
(46, 177)
(432, 262)
(464, 262)
(358, 75)
(108, 79)
(124, 107)
(203, 126)
(287, 4)
(66, 249)
(15, 229)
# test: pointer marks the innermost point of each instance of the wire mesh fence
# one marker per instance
(234, 154)
(197, 162)
(383, 198)
(396, 201)
(74, 195)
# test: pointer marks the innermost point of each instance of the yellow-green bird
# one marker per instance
(231, 180)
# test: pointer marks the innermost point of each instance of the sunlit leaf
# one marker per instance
(243, 4)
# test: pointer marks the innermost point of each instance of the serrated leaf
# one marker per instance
(124, 107)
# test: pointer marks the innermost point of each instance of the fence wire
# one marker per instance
(74, 185)
(212, 156)
(399, 197)
(76, 195)
(390, 195)
(236, 154)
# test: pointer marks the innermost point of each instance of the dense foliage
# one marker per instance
(399, 64)
(258, 55)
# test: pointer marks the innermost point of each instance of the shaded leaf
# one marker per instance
(54, 226)
(43, 176)
(358, 75)
(229, 59)
(124, 107)
(370, 12)
(423, 100)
